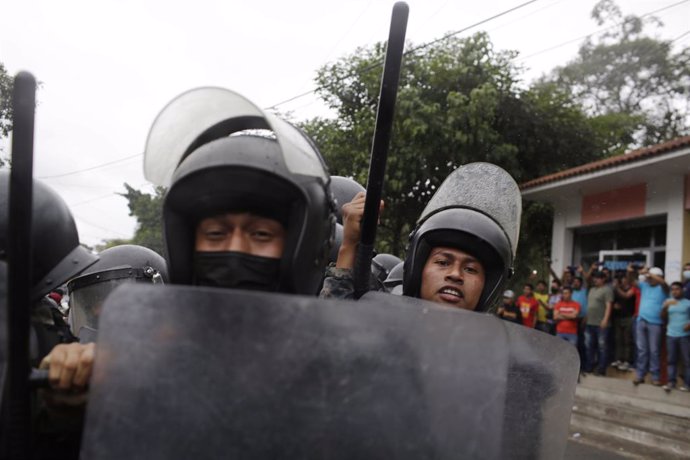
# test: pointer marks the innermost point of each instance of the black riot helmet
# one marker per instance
(395, 277)
(57, 255)
(476, 210)
(118, 265)
(344, 189)
(382, 264)
(217, 153)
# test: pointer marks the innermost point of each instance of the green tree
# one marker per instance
(147, 209)
(459, 101)
(6, 84)
(634, 85)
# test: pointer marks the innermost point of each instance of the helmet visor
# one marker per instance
(204, 114)
(88, 293)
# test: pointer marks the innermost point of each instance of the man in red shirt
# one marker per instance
(565, 314)
(528, 306)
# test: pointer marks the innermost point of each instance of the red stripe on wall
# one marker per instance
(618, 204)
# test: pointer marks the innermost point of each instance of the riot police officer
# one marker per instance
(57, 257)
(244, 209)
(126, 263)
(462, 250)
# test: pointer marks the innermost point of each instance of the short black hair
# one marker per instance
(677, 283)
(529, 285)
(543, 282)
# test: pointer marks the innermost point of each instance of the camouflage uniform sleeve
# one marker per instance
(337, 284)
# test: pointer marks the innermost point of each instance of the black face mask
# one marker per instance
(236, 270)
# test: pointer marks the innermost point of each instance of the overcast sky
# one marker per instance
(107, 67)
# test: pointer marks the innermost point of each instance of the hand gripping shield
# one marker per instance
(260, 375)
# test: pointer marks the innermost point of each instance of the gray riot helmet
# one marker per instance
(344, 189)
(477, 210)
(118, 265)
(57, 255)
(395, 277)
(217, 153)
(382, 264)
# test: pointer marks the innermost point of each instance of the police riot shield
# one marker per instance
(483, 187)
(189, 372)
(3, 324)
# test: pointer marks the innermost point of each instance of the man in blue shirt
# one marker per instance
(677, 311)
(653, 291)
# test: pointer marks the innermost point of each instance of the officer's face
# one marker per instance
(452, 277)
(241, 232)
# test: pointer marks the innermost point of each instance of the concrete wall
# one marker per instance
(686, 222)
(566, 218)
(665, 196)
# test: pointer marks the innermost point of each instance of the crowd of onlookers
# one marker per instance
(616, 319)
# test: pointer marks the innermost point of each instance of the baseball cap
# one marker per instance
(656, 271)
(508, 294)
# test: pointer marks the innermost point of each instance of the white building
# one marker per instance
(631, 207)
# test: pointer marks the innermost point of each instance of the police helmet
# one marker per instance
(382, 264)
(344, 189)
(476, 210)
(395, 277)
(57, 255)
(240, 159)
(118, 265)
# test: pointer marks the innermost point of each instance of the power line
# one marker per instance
(306, 93)
(596, 32)
(452, 34)
(102, 165)
(417, 48)
(122, 235)
(681, 36)
(410, 51)
(103, 197)
(91, 200)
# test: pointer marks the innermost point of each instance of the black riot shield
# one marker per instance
(3, 324)
(185, 372)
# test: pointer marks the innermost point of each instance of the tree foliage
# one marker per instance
(634, 85)
(147, 209)
(6, 84)
(459, 101)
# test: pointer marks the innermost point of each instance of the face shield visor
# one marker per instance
(88, 293)
(202, 115)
